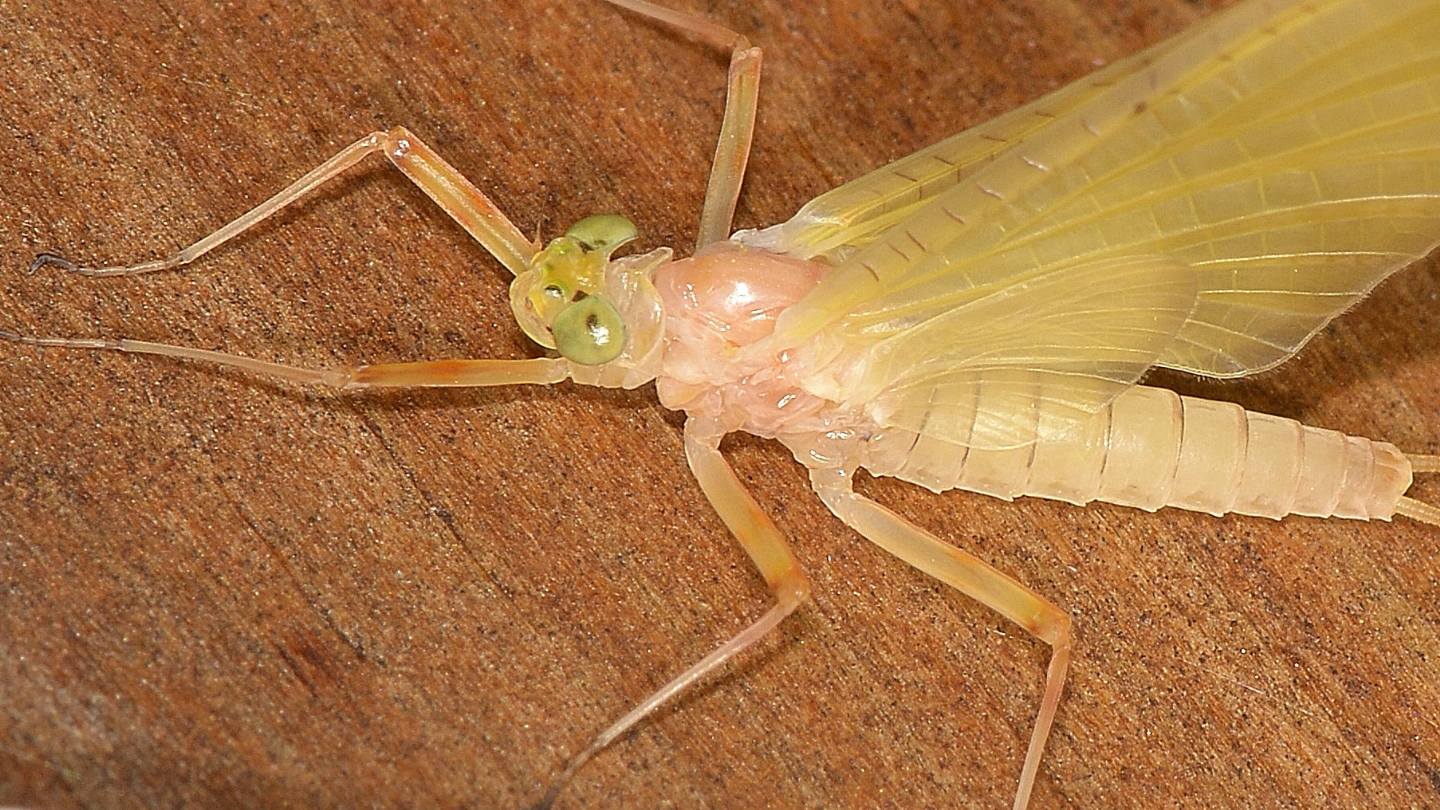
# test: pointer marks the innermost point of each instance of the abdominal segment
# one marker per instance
(1151, 448)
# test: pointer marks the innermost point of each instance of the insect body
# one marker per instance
(1151, 448)
(978, 315)
(1148, 448)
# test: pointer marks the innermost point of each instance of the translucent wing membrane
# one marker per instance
(1031, 359)
(1287, 154)
(851, 216)
(1299, 179)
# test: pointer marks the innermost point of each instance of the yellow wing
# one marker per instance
(1027, 358)
(836, 223)
(1288, 154)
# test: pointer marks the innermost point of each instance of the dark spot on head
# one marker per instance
(1142, 107)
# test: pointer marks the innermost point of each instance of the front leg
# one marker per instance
(766, 546)
(465, 203)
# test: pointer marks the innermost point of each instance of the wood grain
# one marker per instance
(217, 591)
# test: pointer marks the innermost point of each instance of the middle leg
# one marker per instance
(767, 549)
(975, 578)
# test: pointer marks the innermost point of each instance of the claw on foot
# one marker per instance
(63, 342)
(48, 259)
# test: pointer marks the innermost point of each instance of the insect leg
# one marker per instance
(422, 374)
(975, 578)
(445, 185)
(697, 24)
(766, 547)
(732, 151)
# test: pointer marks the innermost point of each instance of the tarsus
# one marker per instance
(52, 260)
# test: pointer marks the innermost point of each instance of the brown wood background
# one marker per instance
(217, 591)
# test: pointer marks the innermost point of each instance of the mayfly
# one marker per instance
(978, 315)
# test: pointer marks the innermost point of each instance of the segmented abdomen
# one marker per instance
(1152, 448)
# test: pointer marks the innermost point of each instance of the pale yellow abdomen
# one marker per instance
(1152, 448)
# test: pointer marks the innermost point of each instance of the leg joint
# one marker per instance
(793, 588)
(1054, 628)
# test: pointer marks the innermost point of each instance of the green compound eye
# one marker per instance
(603, 232)
(589, 332)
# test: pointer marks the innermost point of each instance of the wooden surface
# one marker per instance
(217, 591)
